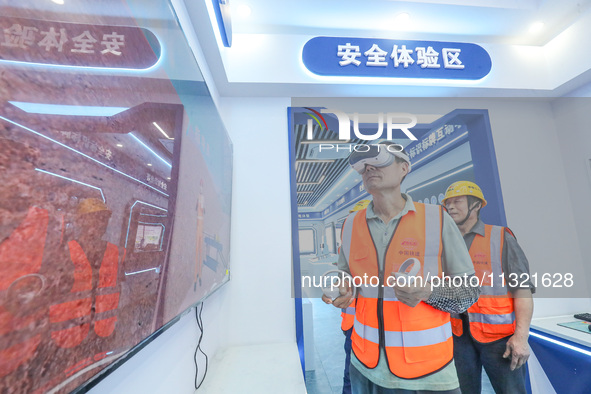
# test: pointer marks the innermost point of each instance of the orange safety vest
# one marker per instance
(417, 341)
(21, 254)
(67, 333)
(492, 317)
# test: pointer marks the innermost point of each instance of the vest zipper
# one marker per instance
(381, 312)
(381, 269)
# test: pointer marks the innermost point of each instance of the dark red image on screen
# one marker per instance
(85, 219)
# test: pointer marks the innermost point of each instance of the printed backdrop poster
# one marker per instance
(452, 147)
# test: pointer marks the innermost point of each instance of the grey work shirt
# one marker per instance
(513, 260)
(455, 262)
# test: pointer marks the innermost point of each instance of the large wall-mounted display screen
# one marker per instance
(115, 185)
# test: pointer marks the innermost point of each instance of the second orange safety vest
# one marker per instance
(416, 341)
(492, 317)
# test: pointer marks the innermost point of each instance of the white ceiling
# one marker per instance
(264, 59)
(485, 21)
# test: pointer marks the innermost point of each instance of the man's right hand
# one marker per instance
(344, 300)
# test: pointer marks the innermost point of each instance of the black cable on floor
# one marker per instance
(200, 325)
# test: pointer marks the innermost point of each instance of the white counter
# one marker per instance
(550, 325)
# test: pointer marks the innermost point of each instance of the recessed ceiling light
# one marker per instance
(536, 27)
(402, 20)
(60, 2)
(149, 165)
(120, 145)
(243, 11)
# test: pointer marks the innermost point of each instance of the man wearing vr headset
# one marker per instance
(402, 340)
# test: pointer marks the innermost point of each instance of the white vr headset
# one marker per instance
(376, 155)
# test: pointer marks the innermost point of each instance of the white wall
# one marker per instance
(531, 173)
(573, 117)
(262, 310)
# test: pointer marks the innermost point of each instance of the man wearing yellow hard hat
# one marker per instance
(493, 332)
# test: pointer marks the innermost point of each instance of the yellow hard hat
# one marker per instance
(361, 204)
(464, 188)
(90, 205)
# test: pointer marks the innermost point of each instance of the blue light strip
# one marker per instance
(71, 110)
(82, 154)
(150, 149)
(131, 212)
(566, 345)
(73, 180)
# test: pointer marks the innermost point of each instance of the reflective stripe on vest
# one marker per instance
(492, 317)
(496, 244)
(431, 336)
(105, 304)
(506, 318)
(348, 316)
(349, 310)
(417, 341)
(347, 232)
(432, 263)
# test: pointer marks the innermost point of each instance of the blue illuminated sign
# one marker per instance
(368, 57)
